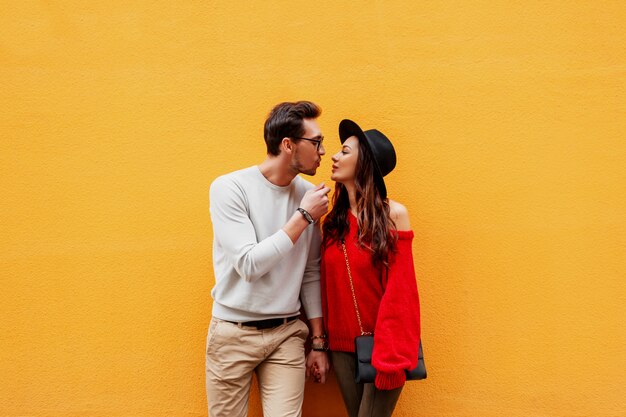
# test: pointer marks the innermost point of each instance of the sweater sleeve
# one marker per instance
(234, 231)
(397, 333)
(323, 287)
(310, 293)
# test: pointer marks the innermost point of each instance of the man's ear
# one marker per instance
(287, 145)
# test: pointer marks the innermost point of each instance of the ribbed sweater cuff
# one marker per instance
(387, 381)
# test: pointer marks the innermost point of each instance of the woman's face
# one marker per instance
(344, 161)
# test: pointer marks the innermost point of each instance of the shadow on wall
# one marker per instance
(323, 399)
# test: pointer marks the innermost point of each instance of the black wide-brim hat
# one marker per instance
(380, 146)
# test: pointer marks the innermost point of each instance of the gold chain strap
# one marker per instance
(356, 306)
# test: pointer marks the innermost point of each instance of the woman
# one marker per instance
(367, 258)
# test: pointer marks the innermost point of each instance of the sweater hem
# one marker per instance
(223, 312)
(341, 345)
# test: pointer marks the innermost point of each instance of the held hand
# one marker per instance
(315, 201)
(317, 366)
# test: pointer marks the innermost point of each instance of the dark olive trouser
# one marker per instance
(362, 400)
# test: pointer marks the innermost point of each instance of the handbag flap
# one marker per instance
(363, 346)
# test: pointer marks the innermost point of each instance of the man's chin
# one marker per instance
(310, 172)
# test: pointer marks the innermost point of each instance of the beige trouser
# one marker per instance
(233, 352)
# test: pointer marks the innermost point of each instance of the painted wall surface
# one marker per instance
(509, 120)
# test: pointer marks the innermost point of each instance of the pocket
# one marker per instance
(213, 329)
(303, 329)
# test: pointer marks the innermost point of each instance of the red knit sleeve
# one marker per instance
(397, 333)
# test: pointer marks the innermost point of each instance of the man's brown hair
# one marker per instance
(285, 121)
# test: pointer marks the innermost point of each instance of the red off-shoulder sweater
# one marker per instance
(388, 304)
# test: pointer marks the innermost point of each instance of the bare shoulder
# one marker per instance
(400, 215)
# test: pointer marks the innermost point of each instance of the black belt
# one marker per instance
(264, 324)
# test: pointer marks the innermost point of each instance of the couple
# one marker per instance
(270, 259)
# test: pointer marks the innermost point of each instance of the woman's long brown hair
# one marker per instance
(376, 228)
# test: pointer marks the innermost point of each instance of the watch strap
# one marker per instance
(306, 215)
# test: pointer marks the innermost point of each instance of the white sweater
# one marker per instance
(259, 272)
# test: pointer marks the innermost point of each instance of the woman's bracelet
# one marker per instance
(320, 346)
(319, 342)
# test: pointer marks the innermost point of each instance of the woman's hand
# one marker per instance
(317, 366)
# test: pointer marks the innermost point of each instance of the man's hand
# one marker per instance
(315, 201)
(317, 365)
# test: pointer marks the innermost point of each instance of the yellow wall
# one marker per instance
(509, 119)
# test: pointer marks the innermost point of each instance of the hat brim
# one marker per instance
(348, 128)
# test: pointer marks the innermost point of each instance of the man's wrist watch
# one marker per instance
(306, 215)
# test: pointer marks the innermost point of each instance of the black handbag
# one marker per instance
(364, 346)
(365, 372)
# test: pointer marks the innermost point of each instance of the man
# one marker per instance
(266, 254)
